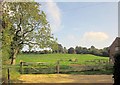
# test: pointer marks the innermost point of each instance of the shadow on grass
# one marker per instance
(94, 72)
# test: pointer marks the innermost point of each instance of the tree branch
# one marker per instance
(27, 32)
(19, 27)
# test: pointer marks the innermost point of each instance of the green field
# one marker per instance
(52, 58)
(90, 64)
(65, 64)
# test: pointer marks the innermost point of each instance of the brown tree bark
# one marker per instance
(13, 60)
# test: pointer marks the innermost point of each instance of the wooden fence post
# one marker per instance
(21, 65)
(8, 70)
(58, 67)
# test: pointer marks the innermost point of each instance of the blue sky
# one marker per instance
(83, 23)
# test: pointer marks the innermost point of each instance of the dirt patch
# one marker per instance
(66, 78)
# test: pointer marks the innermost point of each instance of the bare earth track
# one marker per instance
(65, 78)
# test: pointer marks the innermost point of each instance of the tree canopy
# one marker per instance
(25, 24)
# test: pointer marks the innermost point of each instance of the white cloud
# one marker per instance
(53, 15)
(95, 36)
(97, 39)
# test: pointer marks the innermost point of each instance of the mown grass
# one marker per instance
(65, 64)
(52, 58)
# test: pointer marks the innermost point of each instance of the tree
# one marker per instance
(65, 50)
(81, 50)
(93, 50)
(54, 46)
(84, 50)
(6, 35)
(71, 50)
(105, 51)
(60, 48)
(78, 49)
(28, 26)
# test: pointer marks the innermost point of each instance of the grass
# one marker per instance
(65, 64)
(52, 58)
(94, 72)
(14, 74)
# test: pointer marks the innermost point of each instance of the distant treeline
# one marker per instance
(76, 50)
(91, 50)
(37, 52)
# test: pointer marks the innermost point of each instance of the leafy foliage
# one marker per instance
(92, 50)
(25, 24)
(71, 51)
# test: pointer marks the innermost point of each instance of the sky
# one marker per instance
(83, 23)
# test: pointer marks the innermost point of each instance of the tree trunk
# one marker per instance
(14, 56)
